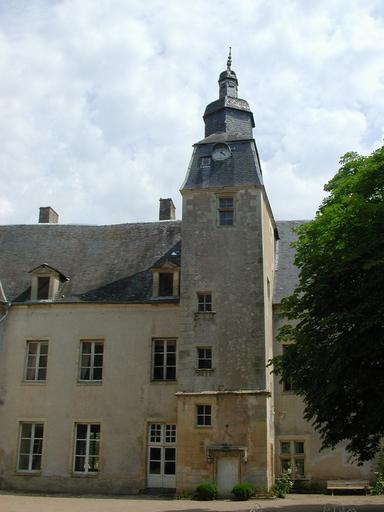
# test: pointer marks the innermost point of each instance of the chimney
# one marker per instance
(47, 215)
(167, 209)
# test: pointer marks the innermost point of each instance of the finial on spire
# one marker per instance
(229, 61)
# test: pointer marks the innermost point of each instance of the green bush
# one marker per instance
(206, 491)
(378, 486)
(243, 491)
(282, 486)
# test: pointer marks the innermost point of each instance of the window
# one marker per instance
(226, 211)
(205, 161)
(165, 284)
(292, 457)
(204, 358)
(287, 382)
(91, 361)
(43, 288)
(204, 302)
(36, 361)
(204, 415)
(164, 359)
(87, 448)
(30, 446)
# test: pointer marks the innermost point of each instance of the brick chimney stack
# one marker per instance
(47, 215)
(167, 209)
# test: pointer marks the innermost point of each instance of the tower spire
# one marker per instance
(229, 61)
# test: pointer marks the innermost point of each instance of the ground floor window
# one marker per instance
(161, 455)
(292, 457)
(30, 446)
(87, 448)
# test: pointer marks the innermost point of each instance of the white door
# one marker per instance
(162, 455)
(227, 474)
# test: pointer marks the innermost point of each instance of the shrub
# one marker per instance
(243, 491)
(378, 486)
(283, 484)
(206, 491)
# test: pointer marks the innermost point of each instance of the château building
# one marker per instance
(134, 356)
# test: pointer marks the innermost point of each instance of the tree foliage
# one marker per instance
(336, 362)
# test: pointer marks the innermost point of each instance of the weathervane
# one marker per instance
(229, 61)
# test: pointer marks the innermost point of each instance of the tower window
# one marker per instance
(204, 358)
(42, 288)
(165, 284)
(204, 302)
(205, 161)
(226, 211)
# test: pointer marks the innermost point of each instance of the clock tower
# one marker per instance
(225, 397)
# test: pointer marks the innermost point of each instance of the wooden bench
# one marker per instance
(344, 485)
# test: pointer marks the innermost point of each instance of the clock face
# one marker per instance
(221, 152)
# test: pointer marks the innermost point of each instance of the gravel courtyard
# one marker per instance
(293, 503)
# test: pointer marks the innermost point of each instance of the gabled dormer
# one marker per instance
(45, 282)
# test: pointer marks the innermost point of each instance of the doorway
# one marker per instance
(227, 473)
(161, 456)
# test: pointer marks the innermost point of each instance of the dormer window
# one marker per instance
(46, 281)
(166, 280)
(43, 288)
(166, 284)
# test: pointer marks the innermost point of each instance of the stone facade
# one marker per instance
(129, 363)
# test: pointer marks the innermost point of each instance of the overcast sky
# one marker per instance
(101, 101)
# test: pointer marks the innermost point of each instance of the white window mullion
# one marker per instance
(37, 361)
(31, 447)
(92, 363)
(87, 443)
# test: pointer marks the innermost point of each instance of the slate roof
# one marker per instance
(103, 263)
(287, 274)
(242, 168)
(110, 264)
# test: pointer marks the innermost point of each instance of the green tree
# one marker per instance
(336, 362)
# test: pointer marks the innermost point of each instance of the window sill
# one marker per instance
(28, 473)
(34, 382)
(163, 381)
(89, 382)
(204, 314)
(203, 426)
(204, 371)
(76, 474)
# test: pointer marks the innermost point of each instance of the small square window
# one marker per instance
(285, 447)
(204, 358)
(205, 161)
(226, 211)
(204, 302)
(204, 415)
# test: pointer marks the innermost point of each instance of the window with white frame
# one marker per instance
(161, 450)
(203, 415)
(36, 361)
(204, 302)
(164, 359)
(204, 358)
(30, 451)
(87, 448)
(292, 457)
(91, 361)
